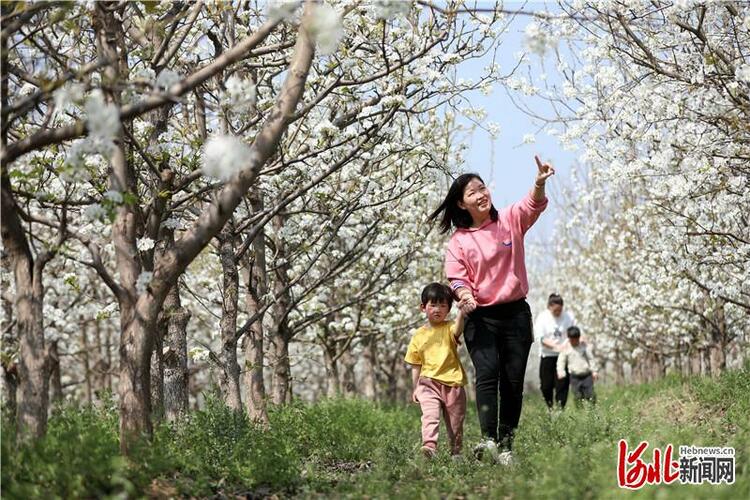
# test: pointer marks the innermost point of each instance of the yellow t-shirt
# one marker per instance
(435, 348)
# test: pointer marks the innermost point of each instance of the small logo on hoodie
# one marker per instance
(507, 244)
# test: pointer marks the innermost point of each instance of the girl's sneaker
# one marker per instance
(428, 452)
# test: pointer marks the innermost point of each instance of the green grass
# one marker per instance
(351, 448)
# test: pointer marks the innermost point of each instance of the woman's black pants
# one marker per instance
(499, 338)
(550, 384)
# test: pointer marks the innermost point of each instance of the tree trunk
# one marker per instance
(229, 378)
(390, 380)
(348, 378)
(333, 386)
(678, 364)
(9, 341)
(706, 361)
(10, 389)
(370, 374)
(137, 317)
(86, 358)
(403, 381)
(720, 341)
(137, 324)
(33, 384)
(256, 389)
(108, 359)
(257, 284)
(695, 362)
(280, 381)
(157, 371)
(55, 380)
(619, 368)
(176, 379)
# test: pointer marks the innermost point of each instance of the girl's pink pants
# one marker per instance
(434, 397)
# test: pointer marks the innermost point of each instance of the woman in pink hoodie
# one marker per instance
(484, 262)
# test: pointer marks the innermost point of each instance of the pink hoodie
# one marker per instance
(489, 260)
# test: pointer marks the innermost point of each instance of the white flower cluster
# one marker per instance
(326, 28)
(282, 9)
(103, 119)
(199, 354)
(743, 73)
(387, 9)
(537, 40)
(144, 244)
(67, 95)
(224, 156)
(240, 94)
(103, 123)
(653, 254)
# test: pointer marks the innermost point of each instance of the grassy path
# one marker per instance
(575, 454)
(354, 449)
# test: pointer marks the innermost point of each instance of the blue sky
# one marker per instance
(513, 168)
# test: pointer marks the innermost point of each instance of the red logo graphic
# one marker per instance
(633, 472)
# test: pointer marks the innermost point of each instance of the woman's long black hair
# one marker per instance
(452, 214)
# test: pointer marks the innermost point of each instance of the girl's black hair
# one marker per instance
(436, 293)
(452, 214)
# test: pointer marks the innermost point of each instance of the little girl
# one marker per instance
(437, 373)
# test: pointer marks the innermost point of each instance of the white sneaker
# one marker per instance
(486, 449)
(504, 458)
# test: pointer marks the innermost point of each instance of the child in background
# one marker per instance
(581, 366)
(437, 373)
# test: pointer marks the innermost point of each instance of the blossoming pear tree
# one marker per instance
(140, 141)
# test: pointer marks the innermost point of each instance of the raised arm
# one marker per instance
(527, 210)
(458, 329)
(545, 172)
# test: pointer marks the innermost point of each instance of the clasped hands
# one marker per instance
(466, 303)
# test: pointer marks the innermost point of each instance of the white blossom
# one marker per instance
(743, 73)
(68, 94)
(537, 40)
(386, 9)
(199, 354)
(281, 9)
(225, 155)
(240, 93)
(103, 119)
(27, 89)
(144, 244)
(493, 129)
(326, 28)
